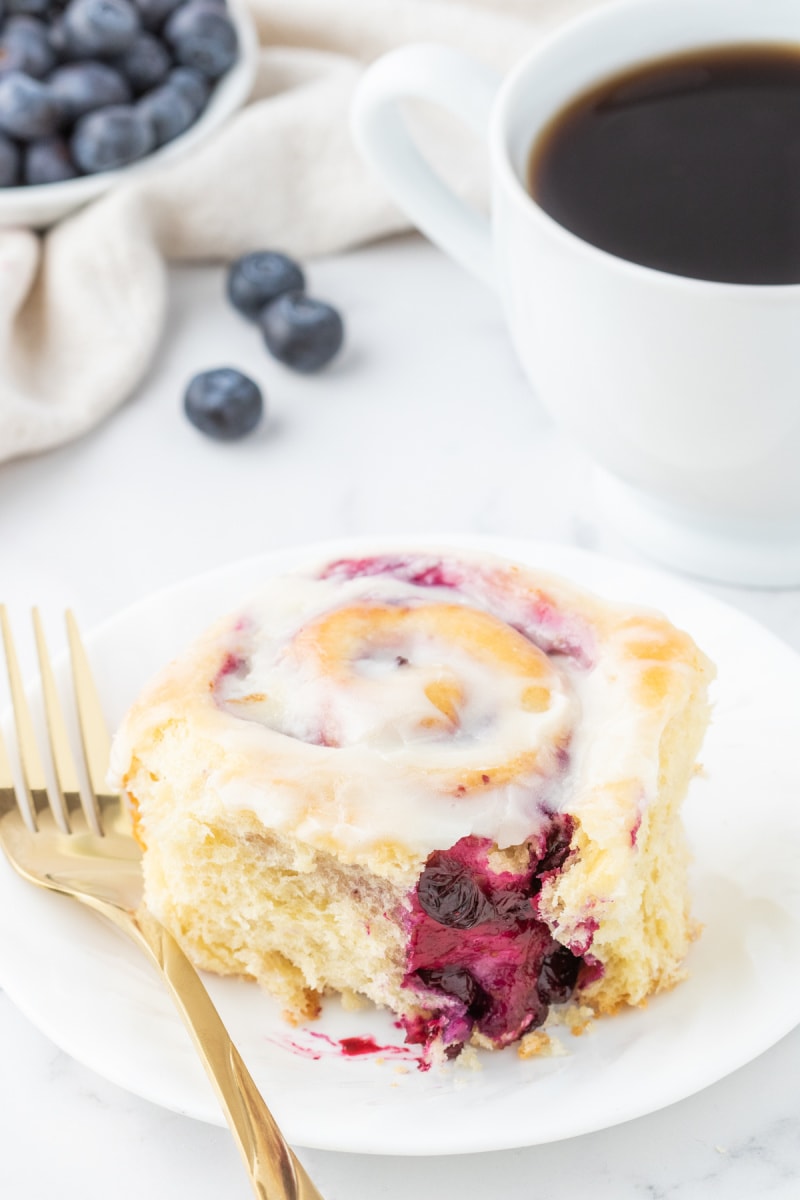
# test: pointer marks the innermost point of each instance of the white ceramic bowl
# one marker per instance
(44, 204)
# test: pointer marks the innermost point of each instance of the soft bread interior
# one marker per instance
(244, 900)
(636, 905)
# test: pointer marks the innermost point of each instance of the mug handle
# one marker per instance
(463, 87)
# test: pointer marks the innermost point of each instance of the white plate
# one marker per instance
(88, 990)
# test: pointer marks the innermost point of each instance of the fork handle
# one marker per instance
(275, 1173)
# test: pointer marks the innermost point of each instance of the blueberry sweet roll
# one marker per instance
(444, 781)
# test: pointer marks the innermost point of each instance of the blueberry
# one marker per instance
(461, 983)
(193, 86)
(513, 908)
(12, 56)
(168, 112)
(82, 87)
(27, 107)
(559, 840)
(450, 895)
(153, 13)
(48, 161)
(100, 27)
(58, 38)
(9, 162)
(145, 64)
(18, 21)
(111, 138)
(202, 36)
(25, 46)
(224, 403)
(304, 334)
(557, 976)
(34, 8)
(255, 280)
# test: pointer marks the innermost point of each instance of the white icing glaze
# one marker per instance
(410, 736)
(396, 760)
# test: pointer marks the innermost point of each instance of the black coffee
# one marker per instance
(689, 164)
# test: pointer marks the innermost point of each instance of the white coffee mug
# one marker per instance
(685, 393)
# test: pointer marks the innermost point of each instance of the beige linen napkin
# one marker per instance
(81, 309)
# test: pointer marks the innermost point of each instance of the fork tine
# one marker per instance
(94, 731)
(6, 778)
(66, 775)
(34, 780)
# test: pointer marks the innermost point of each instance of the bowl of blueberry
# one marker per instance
(96, 91)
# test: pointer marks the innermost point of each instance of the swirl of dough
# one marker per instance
(432, 672)
(410, 705)
(393, 704)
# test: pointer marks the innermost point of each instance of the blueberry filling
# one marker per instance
(478, 951)
(433, 575)
(232, 664)
(556, 849)
(458, 982)
(451, 896)
(536, 616)
(558, 976)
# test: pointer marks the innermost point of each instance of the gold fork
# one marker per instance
(90, 854)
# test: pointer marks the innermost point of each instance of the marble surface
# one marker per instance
(424, 425)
